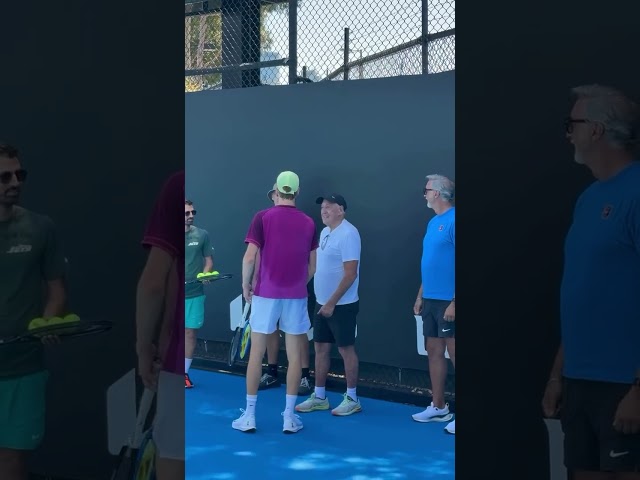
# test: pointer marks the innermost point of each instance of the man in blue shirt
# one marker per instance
(595, 377)
(436, 296)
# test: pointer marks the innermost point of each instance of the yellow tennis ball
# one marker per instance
(56, 321)
(71, 318)
(37, 323)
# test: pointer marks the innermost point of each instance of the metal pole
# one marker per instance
(293, 42)
(346, 54)
(425, 37)
(304, 72)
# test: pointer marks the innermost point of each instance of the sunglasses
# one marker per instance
(191, 213)
(6, 177)
(569, 123)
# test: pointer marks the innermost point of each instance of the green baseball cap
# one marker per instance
(288, 183)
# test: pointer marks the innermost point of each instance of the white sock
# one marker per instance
(351, 392)
(251, 404)
(320, 392)
(291, 403)
(187, 364)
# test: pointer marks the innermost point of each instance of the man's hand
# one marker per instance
(552, 400)
(450, 313)
(147, 366)
(51, 340)
(627, 417)
(327, 310)
(417, 307)
(247, 293)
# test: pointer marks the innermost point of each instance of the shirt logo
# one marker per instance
(441, 228)
(193, 244)
(606, 211)
(20, 249)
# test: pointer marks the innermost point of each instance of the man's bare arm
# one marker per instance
(168, 315)
(208, 264)
(249, 264)
(313, 257)
(151, 297)
(254, 280)
(556, 370)
(350, 275)
(56, 299)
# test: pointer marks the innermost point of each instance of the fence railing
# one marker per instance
(247, 43)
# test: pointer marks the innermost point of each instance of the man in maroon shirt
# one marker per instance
(160, 325)
(286, 239)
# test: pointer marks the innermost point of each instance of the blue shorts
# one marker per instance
(194, 312)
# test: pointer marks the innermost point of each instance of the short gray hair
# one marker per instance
(443, 185)
(614, 110)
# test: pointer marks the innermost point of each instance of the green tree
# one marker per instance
(203, 43)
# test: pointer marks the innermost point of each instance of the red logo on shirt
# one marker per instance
(441, 227)
(606, 211)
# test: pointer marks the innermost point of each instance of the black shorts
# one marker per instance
(433, 323)
(590, 441)
(339, 328)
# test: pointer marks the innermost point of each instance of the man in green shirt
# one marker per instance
(32, 268)
(198, 258)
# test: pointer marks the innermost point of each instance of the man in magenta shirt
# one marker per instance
(160, 325)
(286, 239)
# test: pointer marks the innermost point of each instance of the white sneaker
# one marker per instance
(292, 423)
(433, 414)
(312, 404)
(451, 428)
(348, 407)
(246, 423)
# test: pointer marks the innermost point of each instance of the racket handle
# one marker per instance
(143, 412)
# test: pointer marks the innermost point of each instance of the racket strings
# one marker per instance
(72, 330)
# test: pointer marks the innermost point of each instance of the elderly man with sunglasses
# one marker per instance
(32, 268)
(594, 385)
(436, 299)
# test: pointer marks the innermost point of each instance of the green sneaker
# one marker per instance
(347, 407)
(312, 404)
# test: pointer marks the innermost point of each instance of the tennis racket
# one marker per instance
(136, 460)
(209, 277)
(69, 326)
(241, 340)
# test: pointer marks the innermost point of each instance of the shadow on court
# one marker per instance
(382, 442)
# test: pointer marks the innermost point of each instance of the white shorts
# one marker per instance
(292, 313)
(168, 429)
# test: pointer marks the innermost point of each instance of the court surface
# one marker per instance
(381, 443)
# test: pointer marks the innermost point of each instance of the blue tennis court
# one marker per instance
(382, 442)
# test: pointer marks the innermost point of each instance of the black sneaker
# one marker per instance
(305, 387)
(187, 381)
(269, 381)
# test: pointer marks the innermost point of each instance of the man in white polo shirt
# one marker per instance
(336, 288)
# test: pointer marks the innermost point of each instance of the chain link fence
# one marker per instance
(247, 43)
